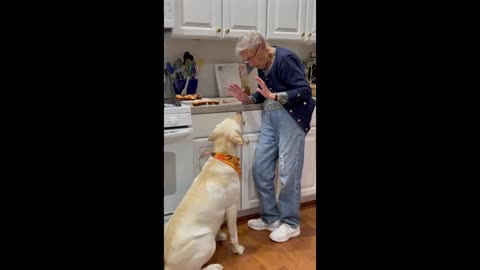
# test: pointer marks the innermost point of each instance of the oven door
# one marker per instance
(177, 167)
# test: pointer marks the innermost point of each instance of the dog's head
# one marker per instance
(230, 130)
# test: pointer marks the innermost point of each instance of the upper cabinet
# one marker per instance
(219, 19)
(286, 19)
(198, 18)
(291, 20)
(168, 11)
(240, 16)
(311, 26)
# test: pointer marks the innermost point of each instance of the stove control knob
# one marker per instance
(173, 120)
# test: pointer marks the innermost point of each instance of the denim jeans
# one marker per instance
(282, 139)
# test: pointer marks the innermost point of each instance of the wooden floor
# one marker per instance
(261, 253)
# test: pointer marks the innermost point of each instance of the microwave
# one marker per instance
(168, 13)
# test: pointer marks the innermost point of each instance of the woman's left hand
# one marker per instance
(264, 89)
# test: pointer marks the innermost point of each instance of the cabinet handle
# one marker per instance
(227, 31)
(218, 30)
(246, 142)
(303, 34)
(309, 35)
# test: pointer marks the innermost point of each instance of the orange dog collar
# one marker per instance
(230, 160)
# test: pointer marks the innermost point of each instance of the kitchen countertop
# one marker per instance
(226, 105)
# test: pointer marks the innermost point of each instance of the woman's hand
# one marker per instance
(238, 93)
(264, 89)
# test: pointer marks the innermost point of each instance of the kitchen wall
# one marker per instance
(213, 52)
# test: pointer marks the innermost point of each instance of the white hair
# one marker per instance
(248, 41)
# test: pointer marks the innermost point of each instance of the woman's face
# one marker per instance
(256, 57)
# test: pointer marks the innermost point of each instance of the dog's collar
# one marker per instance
(230, 160)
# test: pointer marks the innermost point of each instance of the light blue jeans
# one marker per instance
(282, 139)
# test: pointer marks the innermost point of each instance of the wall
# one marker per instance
(213, 52)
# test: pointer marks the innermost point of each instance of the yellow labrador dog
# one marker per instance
(194, 226)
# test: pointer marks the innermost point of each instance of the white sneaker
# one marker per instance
(284, 232)
(258, 224)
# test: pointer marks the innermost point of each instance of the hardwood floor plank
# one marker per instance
(261, 253)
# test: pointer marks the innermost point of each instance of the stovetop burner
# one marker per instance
(171, 103)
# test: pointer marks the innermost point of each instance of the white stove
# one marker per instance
(177, 153)
(176, 115)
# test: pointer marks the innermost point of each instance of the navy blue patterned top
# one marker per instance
(287, 77)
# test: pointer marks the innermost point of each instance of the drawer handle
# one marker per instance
(218, 30)
(309, 35)
(303, 34)
(227, 31)
(246, 142)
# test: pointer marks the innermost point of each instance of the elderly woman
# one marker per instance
(287, 110)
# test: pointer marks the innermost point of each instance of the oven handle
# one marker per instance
(170, 137)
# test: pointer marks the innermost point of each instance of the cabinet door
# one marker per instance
(199, 146)
(249, 194)
(168, 9)
(198, 18)
(240, 16)
(311, 26)
(286, 19)
(309, 184)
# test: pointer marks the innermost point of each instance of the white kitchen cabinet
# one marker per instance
(308, 182)
(168, 11)
(200, 145)
(197, 18)
(219, 18)
(203, 124)
(249, 194)
(311, 24)
(291, 20)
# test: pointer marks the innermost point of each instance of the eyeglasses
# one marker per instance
(250, 58)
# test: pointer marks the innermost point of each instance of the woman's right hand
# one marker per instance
(239, 93)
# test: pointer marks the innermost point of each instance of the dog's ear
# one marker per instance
(212, 137)
(237, 137)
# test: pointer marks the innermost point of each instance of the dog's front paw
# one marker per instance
(238, 249)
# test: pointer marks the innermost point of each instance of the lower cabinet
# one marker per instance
(309, 173)
(248, 197)
(308, 184)
(249, 194)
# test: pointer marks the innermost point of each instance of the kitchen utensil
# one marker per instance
(186, 56)
(178, 63)
(170, 68)
(184, 91)
(193, 69)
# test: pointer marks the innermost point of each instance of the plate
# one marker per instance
(191, 101)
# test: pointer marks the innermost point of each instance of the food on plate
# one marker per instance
(205, 102)
(188, 97)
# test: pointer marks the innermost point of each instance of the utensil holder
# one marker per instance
(178, 86)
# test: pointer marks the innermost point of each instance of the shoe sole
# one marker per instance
(286, 238)
(262, 228)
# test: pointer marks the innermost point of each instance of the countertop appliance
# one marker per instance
(177, 154)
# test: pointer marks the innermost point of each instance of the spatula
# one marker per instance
(184, 91)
